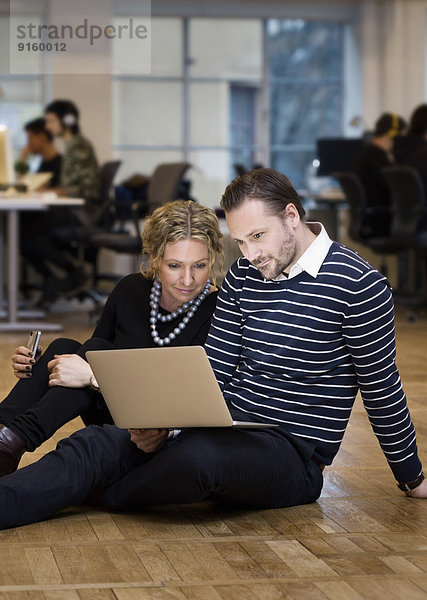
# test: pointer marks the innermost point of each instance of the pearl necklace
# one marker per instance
(192, 304)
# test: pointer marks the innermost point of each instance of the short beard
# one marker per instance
(279, 263)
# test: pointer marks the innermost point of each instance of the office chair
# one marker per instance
(163, 187)
(410, 209)
(89, 221)
(361, 217)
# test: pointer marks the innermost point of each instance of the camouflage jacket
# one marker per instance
(79, 171)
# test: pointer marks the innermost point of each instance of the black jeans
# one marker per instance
(251, 468)
(34, 411)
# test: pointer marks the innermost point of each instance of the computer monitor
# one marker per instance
(6, 159)
(337, 154)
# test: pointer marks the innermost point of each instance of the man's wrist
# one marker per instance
(411, 485)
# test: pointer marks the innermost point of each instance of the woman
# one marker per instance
(156, 307)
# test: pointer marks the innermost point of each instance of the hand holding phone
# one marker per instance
(25, 356)
(33, 341)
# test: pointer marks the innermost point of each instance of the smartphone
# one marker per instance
(33, 341)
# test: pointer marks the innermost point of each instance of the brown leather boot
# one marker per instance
(11, 450)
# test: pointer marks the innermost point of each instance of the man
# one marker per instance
(368, 165)
(301, 323)
(80, 173)
(39, 141)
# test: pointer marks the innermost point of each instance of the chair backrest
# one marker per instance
(356, 197)
(107, 173)
(407, 198)
(164, 183)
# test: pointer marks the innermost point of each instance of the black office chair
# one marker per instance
(89, 221)
(407, 197)
(362, 216)
(410, 215)
(163, 187)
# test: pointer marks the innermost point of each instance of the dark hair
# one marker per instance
(67, 112)
(418, 122)
(38, 126)
(389, 124)
(264, 184)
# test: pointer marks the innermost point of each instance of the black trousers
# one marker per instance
(34, 411)
(251, 468)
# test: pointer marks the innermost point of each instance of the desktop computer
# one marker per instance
(6, 157)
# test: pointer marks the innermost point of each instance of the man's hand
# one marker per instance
(419, 492)
(148, 440)
(69, 370)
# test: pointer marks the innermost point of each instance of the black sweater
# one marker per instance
(125, 320)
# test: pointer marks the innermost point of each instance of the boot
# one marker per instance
(11, 450)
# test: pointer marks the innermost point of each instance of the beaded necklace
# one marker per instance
(189, 307)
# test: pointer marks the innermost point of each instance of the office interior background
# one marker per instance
(235, 82)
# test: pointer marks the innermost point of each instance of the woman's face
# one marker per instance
(183, 272)
(53, 123)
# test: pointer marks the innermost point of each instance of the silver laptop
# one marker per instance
(162, 388)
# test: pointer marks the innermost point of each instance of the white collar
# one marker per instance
(312, 259)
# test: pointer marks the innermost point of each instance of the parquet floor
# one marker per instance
(363, 539)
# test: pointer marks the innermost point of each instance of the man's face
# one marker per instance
(36, 142)
(268, 241)
(53, 124)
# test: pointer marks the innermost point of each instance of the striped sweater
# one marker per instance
(296, 351)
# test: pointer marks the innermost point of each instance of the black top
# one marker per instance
(411, 151)
(367, 166)
(125, 320)
(52, 166)
(405, 145)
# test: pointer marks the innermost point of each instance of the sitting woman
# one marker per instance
(170, 303)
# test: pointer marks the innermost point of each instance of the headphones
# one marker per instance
(69, 120)
(394, 130)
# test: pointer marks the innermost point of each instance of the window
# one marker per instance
(206, 98)
(306, 90)
(21, 97)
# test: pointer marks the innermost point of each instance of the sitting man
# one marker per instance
(302, 323)
(40, 142)
(369, 163)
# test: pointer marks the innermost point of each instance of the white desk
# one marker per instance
(12, 205)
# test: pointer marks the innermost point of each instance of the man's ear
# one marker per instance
(292, 214)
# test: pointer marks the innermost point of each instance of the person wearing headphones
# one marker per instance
(80, 172)
(368, 165)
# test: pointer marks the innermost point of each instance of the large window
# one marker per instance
(21, 96)
(229, 91)
(305, 62)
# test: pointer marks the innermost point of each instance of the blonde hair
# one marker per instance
(181, 220)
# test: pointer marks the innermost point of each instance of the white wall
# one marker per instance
(392, 43)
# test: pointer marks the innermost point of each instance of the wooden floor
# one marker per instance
(363, 539)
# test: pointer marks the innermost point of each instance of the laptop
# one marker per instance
(169, 388)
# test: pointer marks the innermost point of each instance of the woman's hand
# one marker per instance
(22, 361)
(69, 370)
(148, 440)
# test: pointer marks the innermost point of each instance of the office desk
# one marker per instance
(12, 206)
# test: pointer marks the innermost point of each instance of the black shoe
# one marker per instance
(11, 450)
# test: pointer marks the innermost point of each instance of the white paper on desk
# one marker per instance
(34, 181)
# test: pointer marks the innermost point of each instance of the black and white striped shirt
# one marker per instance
(295, 351)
